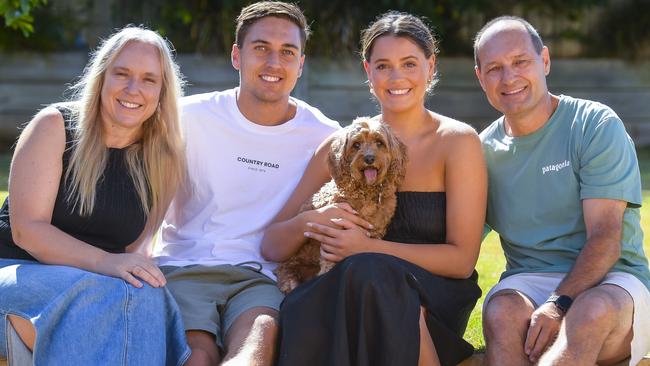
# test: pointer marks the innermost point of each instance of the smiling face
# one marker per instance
(512, 73)
(269, 61)
(131, 87)
(398, 71)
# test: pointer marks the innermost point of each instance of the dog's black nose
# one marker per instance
(369, 159)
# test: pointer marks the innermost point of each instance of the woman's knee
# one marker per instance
(369, 266)
(148, 298)
(374, 271)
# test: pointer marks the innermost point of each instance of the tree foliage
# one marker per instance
(598, 28)
(622, 30)
(208, 26)
(17, 14)
(56, 26)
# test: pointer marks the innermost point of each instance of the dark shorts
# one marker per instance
(211, 298)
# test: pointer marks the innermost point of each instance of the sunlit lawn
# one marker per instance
(490, 263)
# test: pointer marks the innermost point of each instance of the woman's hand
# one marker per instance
(327, 215)
(341, 240)
(130, 267)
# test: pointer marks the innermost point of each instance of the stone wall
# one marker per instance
(337, 87)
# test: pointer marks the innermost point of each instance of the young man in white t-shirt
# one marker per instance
(247, 148)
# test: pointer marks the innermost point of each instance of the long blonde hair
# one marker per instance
(156, 164)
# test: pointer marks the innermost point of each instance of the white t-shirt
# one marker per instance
(240, 176)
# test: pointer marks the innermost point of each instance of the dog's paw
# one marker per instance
(288, 285)
(325, 266)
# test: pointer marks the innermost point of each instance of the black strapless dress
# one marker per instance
(365, 311)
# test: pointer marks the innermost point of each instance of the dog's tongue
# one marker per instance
(370, 174)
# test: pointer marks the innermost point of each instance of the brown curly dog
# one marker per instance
(367, 164)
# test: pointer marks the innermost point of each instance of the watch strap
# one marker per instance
(562, 302)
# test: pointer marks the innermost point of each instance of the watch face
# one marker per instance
(563, 303)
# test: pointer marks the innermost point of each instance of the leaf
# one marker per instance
(17, 14)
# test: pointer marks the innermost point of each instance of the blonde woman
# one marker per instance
(90, 181)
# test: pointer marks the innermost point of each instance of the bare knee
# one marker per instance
(506, 309)
(25, 330)
(258, 319)
(204, 349)
(252, 337)
(505, 324)
(599, 307)
(263, 332)
(608, 311)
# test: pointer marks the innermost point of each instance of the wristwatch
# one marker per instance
(562, 302)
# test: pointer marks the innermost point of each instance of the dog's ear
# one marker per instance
(336, 158)
(399, 156)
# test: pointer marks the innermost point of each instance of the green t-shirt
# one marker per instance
(536, 184)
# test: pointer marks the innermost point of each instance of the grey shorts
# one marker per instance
(538, 287)
(211, 298)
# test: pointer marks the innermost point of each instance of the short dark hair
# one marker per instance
(398, 24)
(254, 12)
(538, 44)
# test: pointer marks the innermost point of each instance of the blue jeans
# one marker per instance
(84, 318)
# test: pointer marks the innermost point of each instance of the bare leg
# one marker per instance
(25, 330)
(428, 353)
(597, 329)
(505, 323)
(204, 349)
(252, 338)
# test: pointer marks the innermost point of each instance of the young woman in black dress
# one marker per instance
(406, 299)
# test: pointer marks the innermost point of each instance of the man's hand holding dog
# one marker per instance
(345, 239)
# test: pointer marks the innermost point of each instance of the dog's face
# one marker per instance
(366, 152)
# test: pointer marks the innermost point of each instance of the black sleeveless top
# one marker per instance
(420, 217)
(116, 221)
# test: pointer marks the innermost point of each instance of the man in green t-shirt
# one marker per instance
(564, 197)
